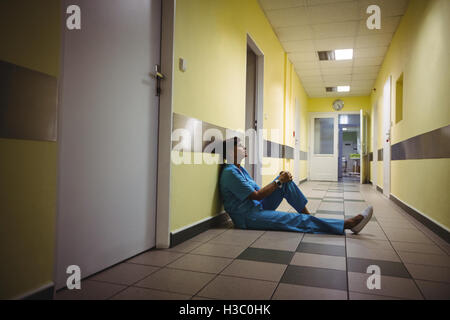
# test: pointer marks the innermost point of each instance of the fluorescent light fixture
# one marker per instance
(343, 88)
(344, 54)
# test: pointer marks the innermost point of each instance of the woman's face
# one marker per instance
(241, 151)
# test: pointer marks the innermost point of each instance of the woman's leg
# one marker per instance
(295, 197)
(290, 221)
(291, 193)
(273, 201)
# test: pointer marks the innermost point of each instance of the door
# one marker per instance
(108, 135)
(323, 164)
(297, 142)
(387, 138)
(364, 157)
(250, 118)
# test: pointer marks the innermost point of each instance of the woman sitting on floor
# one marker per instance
(251, 207)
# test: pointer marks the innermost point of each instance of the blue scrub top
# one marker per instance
(235, 187)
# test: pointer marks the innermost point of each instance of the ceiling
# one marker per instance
(307, 26)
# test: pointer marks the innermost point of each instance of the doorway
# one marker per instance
(254, 110)
(338, 146)
(108, 136)
(349, 163)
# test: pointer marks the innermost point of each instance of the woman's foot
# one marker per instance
(305, 211)
(367, 215)
(353, 222)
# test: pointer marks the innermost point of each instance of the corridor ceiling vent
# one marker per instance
(326, 55)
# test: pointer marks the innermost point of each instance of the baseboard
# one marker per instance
(380, 189)
(303, 181)
(185, 234)
(43, 293)
(433, 226)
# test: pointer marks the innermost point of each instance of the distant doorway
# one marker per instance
(349, 167)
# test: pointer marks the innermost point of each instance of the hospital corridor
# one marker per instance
(228, 264)
(265, 151)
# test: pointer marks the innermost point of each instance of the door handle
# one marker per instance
(158, 76)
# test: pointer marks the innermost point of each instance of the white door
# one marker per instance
(108, 133)
(323, 164)
(297, 143)
(387, 138)
(364, 159)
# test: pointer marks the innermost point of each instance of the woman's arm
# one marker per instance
(270, 188)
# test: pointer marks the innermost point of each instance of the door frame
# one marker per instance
(387, 136)
(364, 158)
(374, 168)
(259, 103)
(165, 125)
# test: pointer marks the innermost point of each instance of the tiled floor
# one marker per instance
(245, 264)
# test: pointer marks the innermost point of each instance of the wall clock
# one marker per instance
(338, 105)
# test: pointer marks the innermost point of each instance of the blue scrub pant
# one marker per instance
(266, 218)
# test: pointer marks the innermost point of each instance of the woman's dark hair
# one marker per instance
(227, 143)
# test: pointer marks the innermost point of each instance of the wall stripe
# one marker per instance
(431, 145)
(28, 104)
(199, 127)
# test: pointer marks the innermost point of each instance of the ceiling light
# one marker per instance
(345, 54)
(343, 89)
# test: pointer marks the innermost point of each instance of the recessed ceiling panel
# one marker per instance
(305, 27)
(294, 33)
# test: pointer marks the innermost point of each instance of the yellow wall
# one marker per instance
(212, 37)
(299, 93)
(351, 104)
(420, 50)
(30, 37)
